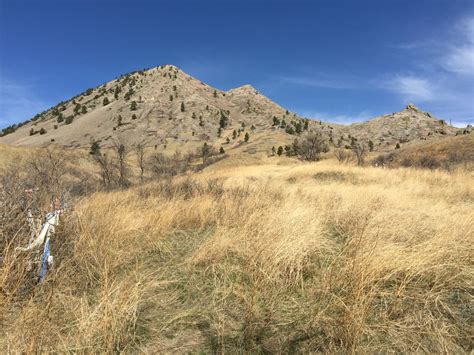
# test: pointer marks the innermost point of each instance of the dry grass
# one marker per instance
(262, 258)
(447, 153)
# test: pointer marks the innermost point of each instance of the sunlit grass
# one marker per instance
(267, 256)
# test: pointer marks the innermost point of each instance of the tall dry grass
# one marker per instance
(266, 258)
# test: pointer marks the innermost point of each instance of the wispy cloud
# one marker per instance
(426, 44)
(460, 56)
(18, 102)
(438, 73)
(340, 118)
(411, 88)
(445, 82)
(331, 81)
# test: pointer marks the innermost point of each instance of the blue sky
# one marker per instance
(339, 60)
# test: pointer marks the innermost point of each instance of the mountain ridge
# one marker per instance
(171, 110)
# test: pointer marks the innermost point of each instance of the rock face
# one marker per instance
(170, 110)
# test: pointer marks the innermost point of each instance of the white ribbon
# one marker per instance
(52, 220)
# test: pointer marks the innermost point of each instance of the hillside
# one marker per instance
(161, 107)
(410, 124)
(443, 153)
(169, 110)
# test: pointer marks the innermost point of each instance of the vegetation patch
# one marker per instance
(333, 176)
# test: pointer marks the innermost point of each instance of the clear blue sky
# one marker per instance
(338, 60)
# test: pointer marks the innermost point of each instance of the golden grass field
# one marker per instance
(260, 255)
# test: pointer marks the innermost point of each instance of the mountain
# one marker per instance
(408, 125)
(166, 108)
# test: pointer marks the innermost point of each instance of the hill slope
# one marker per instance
(410, 124)
(161, 106)
(170, 110)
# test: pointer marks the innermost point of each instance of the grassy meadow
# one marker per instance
(256, 255)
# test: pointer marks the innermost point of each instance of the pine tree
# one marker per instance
(95, 148)
(84, 109)
(182, 107)
(234, 134)
(280, 150)
(105, 102)
(205, 152)
(223, 121)
(42, 131)
(247, 137)
(215, 93)
(133, 106)
(371, 146)
(221, 151)
(298, 128)
(290, 130)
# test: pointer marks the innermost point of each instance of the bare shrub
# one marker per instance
(360, 151)
(121, 152)
(163, 166)
(311, 146)
(209, 161)
(342, 155)
(106, 168)
(140, 152)
(205, 152)
(429, 162)
(384, 159)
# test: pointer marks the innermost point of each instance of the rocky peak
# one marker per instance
(244, 89)
(412, 107)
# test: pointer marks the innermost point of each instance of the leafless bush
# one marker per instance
(210, 161)
(215, 187)
(205, 152)
(121, 152)
(360, 151)
(383, 159)
(407, 162)
(311, 146)
(429, 162)
(30, 188)
(342, 155)
(140, 151)
(163, 166)
(106, 168)
(114, 168)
